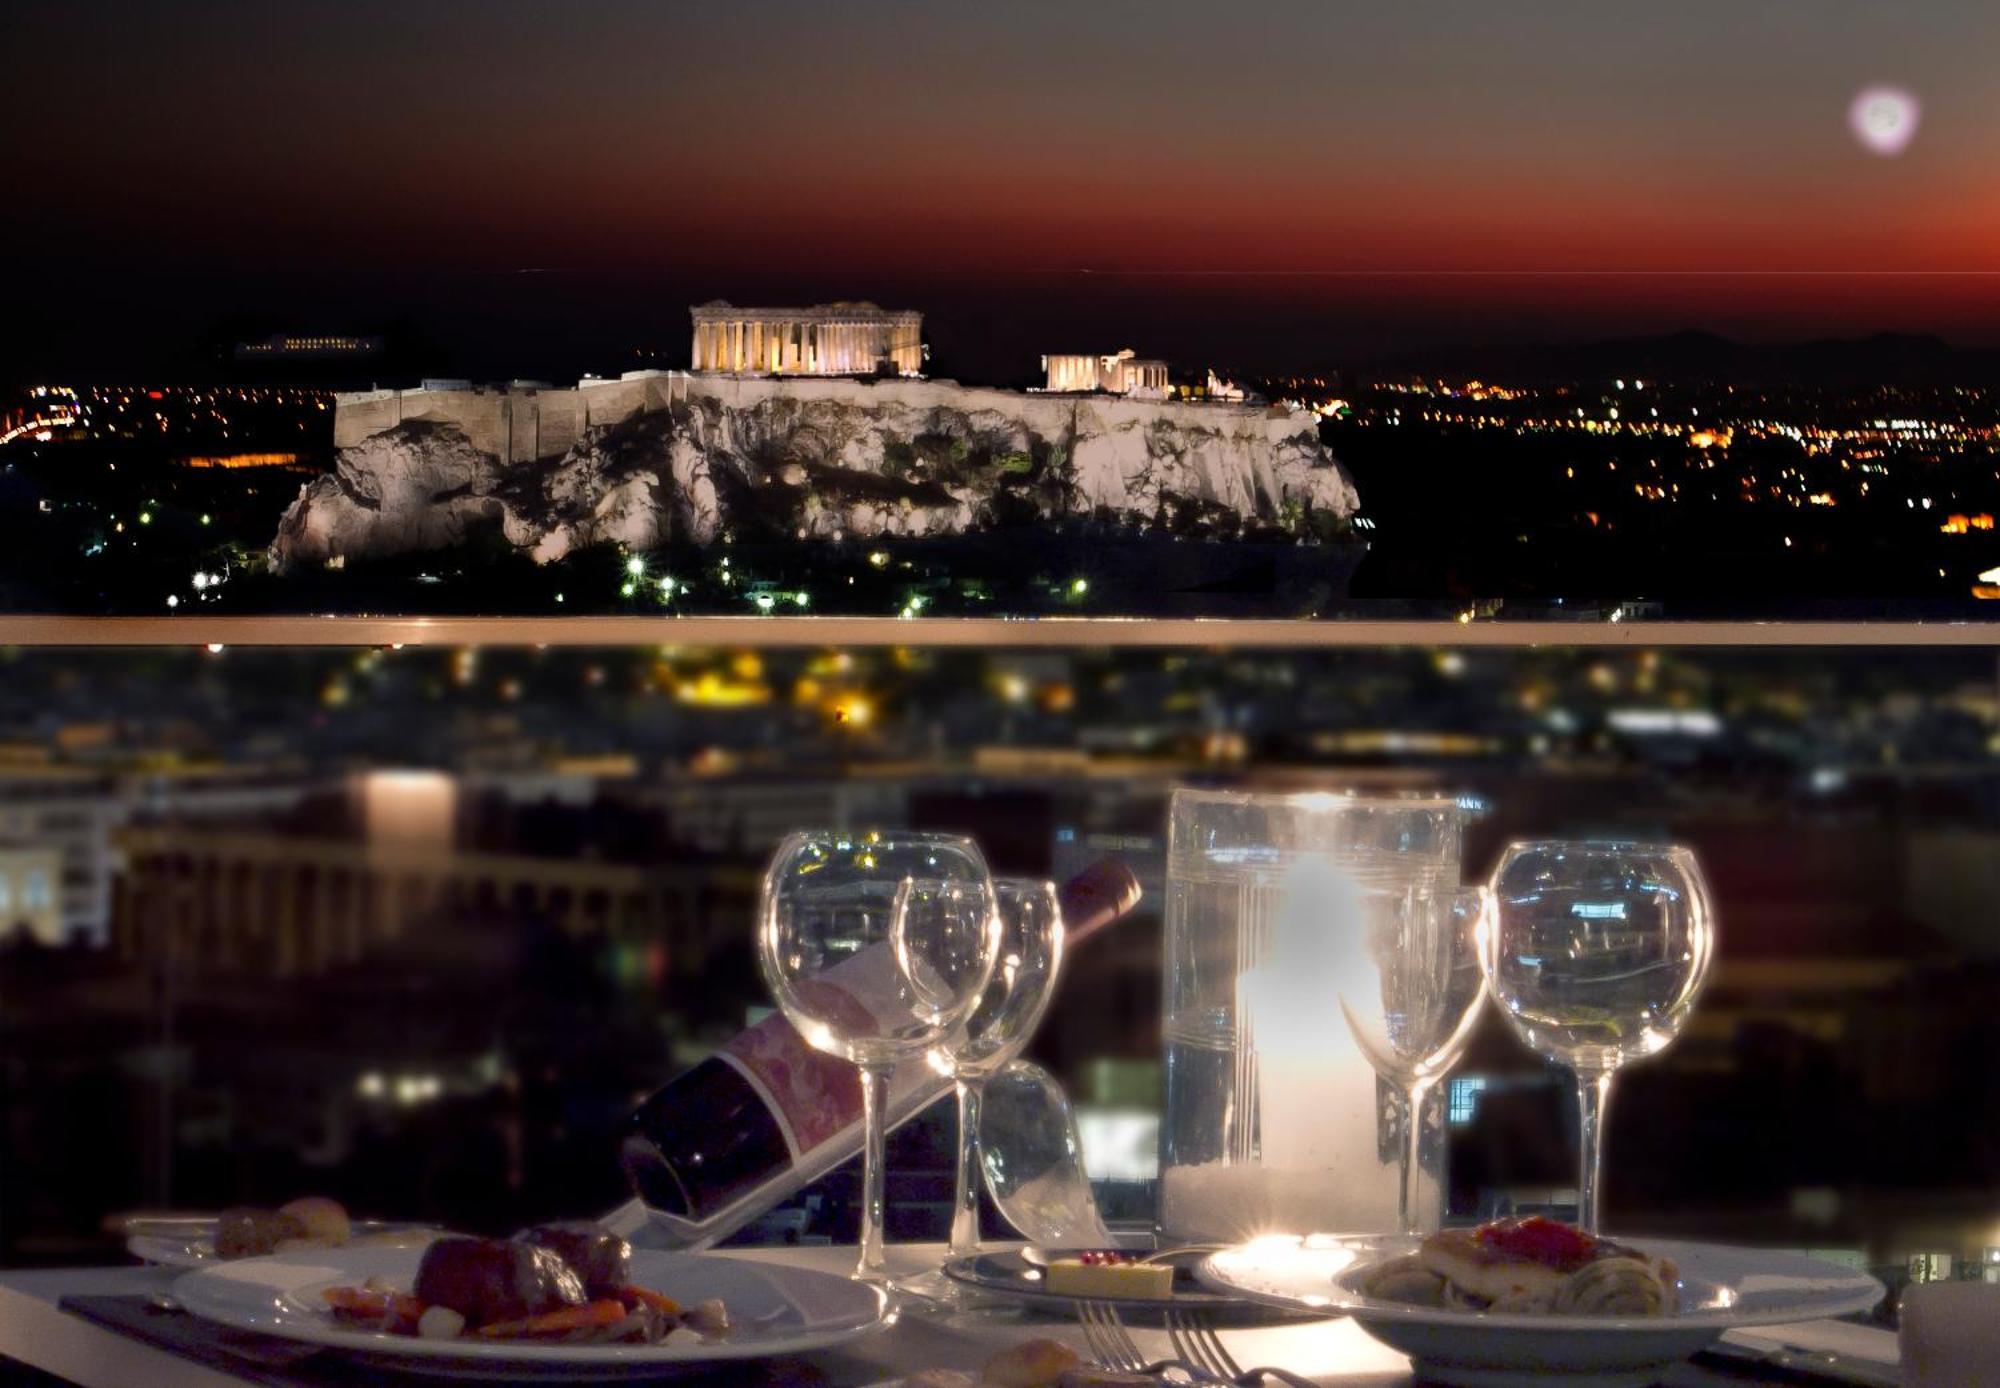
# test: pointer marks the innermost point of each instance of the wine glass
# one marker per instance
(876, 946)
(1412, 1000)
(1031, 950)
(1596, 952)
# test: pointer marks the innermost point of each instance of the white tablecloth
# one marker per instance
(34, 1331)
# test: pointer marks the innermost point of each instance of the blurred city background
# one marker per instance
(417, 927)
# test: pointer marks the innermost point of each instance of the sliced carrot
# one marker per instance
(646, 1296)
(363, 1301)
(558, 1322)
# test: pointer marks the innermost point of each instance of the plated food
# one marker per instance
(772, 1309)
(312, 1221)
(569, 1283)
(255, 1231)
(1529, 1266)
(1056, 1279)
(1611, 1338)
(1109, 1275)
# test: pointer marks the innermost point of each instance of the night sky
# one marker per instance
(542, 186)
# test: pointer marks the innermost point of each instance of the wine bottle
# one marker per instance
(738, 1133)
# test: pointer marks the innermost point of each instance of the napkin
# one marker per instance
(1836, 1351)
(1951, 1335)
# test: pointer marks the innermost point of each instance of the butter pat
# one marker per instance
(1136, 1281)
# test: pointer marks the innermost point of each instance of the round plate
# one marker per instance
(1020, 1274)
(189, 1242)
(774, 1310)
(1721, 1289)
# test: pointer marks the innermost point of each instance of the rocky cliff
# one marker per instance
(746, 458)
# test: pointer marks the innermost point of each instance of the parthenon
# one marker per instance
(842, 339)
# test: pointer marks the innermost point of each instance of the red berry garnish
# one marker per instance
(1541, 1240)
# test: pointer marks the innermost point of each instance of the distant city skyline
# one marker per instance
(1287, 184)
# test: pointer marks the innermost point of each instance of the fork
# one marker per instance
(1110, 1344)
(1202, 1359)
(1198, 1345)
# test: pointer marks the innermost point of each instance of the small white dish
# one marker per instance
(773, 1310)
(1721, 1289)
(188, 1241)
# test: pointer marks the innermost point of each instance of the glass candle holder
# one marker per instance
(1276, 1121)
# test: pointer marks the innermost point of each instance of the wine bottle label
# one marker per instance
(812, 1095)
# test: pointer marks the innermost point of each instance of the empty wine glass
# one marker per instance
(1031, 949)
(1596, 952)
(1411, 1002)
(877, 946)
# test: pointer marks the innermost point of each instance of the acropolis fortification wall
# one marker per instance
(523, 423)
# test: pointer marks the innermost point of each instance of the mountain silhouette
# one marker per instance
(1893, 359)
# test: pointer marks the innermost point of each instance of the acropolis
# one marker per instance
(840, 339)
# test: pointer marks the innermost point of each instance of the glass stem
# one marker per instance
(965, 1204)
(1413, 1161)
(1593, 1098)
(874, 1115)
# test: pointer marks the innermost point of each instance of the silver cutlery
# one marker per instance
(1201, 1356)
(1196, 1341)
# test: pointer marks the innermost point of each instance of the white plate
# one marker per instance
(188, 1241)
(774, 1310)
(1721, 1289)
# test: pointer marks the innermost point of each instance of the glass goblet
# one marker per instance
(1596, 952)
(1031, 950)
(1412, 1005)
(876, 947)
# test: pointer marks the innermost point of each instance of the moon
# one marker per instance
(1884, 119)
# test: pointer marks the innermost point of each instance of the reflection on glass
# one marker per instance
(829, 899)
(1412, 1005)
(1596, 953)
(1024, 976)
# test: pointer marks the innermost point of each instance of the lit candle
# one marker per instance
(1319, 1164)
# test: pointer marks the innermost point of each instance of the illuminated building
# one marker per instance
(839, 339)
(74, 814)
(279, 346)
(1120, 373)
(29, 899)
(302, 899)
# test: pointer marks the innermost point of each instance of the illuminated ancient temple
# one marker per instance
(844, 339)
(1120, 373)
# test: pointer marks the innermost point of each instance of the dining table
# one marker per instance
(106, 1327)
